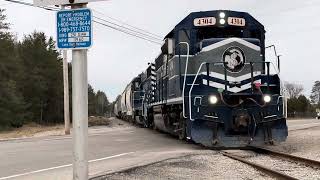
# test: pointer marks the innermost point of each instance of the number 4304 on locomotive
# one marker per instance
(211, 83)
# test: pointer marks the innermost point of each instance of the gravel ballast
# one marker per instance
(210, 165)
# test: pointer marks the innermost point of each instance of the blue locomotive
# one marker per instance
(211, 84)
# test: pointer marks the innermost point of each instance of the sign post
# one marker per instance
(74, 31)
(80, 114)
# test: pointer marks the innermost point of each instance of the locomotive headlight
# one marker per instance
(267, 98)
(222, 15)
(222, 21)
(213, 99)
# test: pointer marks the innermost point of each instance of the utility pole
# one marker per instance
(74, 32)
(80, 110)
(80, 114)
(66, 90)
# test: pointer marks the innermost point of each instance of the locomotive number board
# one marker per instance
(205, 21)
(234, 21)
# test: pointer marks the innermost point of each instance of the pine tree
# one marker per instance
(3, 24)
(31, 84)
(42, 82)
(12, 105)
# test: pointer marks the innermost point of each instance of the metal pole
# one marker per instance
(66, 90)
(80, 112)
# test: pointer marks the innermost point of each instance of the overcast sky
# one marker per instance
(115, 58)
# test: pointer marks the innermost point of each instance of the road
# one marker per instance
(110, 149)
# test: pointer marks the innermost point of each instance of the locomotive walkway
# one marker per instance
(109, 150)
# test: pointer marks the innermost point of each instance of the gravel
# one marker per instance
(293, 169)
(302, 143)
(297, 170)
(207, 165)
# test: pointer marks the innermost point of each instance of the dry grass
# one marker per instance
(98, 121)
(33, 130)
(36, 130)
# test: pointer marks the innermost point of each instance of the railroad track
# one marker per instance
(283, 156)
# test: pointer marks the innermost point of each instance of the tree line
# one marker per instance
(298, 104)
(31, 80)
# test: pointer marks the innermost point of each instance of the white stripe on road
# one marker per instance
(109, 157)
(63, 166)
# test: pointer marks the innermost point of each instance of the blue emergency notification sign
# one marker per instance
(74, 29)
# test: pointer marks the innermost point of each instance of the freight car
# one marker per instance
(212, 84)
(128, 105)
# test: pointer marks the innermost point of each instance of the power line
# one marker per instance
(5, 4)
(128, 28)
(121, 30)
(155, 35)
(118, 28)
(30, 4)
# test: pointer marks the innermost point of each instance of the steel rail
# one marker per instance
(276, 174)
(305, 161)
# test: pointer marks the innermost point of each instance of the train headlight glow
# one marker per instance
(222, 21)
(267, 98)
(213, 99)
(222, 15)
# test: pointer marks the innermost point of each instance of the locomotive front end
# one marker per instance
(232, 94)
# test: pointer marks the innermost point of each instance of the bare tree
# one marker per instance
(293, 90)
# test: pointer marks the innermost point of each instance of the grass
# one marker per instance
(31, 130)
(36, 130)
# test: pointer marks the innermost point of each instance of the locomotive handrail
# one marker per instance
(194, 80)
(185, 73)
(265, 62)
(277, 70)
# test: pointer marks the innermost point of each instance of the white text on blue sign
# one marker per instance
(74, 29)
